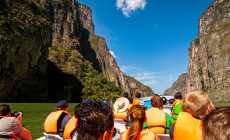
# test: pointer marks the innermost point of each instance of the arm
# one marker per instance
(20, 131)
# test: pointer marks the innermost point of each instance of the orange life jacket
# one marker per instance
(187, 127)
(136, 101)
(122, 115)
(176, 102)
(129, 107)
(70, 127)
(156, 120)
(144, 135)
(50, 124)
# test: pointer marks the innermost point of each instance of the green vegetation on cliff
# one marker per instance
(94, 85)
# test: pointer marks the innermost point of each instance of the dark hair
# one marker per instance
(171, 101)
(130, 100)
(4, 110)
(178, 95)
(137, 116)
(156, 101)
(216, 125)
(164, 100)
(138, 95)
(126, 95)
(93, 120)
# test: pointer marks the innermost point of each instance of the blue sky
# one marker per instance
(149, 38)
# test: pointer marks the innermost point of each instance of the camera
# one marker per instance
(15, 113)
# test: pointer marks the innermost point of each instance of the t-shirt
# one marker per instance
(63, 123)
(10, 126)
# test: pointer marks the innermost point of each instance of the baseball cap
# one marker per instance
(88, 101)
(62, 104)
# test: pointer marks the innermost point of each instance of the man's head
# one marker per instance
(216, 125)
(4, 110)
(130, 100)
(171, 101)
(164, 100)
(197, 103)
(62, 105)
(156, 101)
(138, 95)
(95, 121)
(178, 95)
(126, 95)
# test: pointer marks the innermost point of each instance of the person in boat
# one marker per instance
(56, 121)
(126, 95)
(216, 125)
(95, 122)
(171, 101)
(157, 120)
(121, 109)
(137, 101)
(164, 101)
(177, 106)
(136, 130)
(11, 127)
(188, 126)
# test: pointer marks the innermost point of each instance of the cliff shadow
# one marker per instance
(87, 51)
(62, 85)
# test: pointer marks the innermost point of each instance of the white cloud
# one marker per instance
(129, 68)
(130, 6)
(112, 53)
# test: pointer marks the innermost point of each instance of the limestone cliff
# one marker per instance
(25, 36)
(73, 27)
(178, 86)
(48, 51)
(209, 54)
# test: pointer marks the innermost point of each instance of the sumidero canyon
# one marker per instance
(114, 70)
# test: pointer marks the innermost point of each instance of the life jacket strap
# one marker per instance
(7, 137)
(53, 133)
(152, 126)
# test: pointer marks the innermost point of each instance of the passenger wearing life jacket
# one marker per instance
(95, 122)
(216, 124)
(188, 126)
(136, 130)
(137, 101)
(121, 109)
(157, 120)
(11, 127)
(56, 121)
(177, 104)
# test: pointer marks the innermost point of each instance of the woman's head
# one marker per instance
(156, 101)
(137, 117)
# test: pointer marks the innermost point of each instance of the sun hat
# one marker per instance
(121, 104)
(106, 102)
(62, 104)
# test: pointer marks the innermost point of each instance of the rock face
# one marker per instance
(25, 36)
(178, 86)
(45, 45)
(73, 27)
(209, 54)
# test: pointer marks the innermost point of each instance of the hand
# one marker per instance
(20, 117)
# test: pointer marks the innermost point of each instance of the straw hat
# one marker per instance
(121, 104)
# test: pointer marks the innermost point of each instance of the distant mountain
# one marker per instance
(209, 54)
(49, 52)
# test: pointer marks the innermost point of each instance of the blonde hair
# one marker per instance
(137, 116)
(197, 103)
